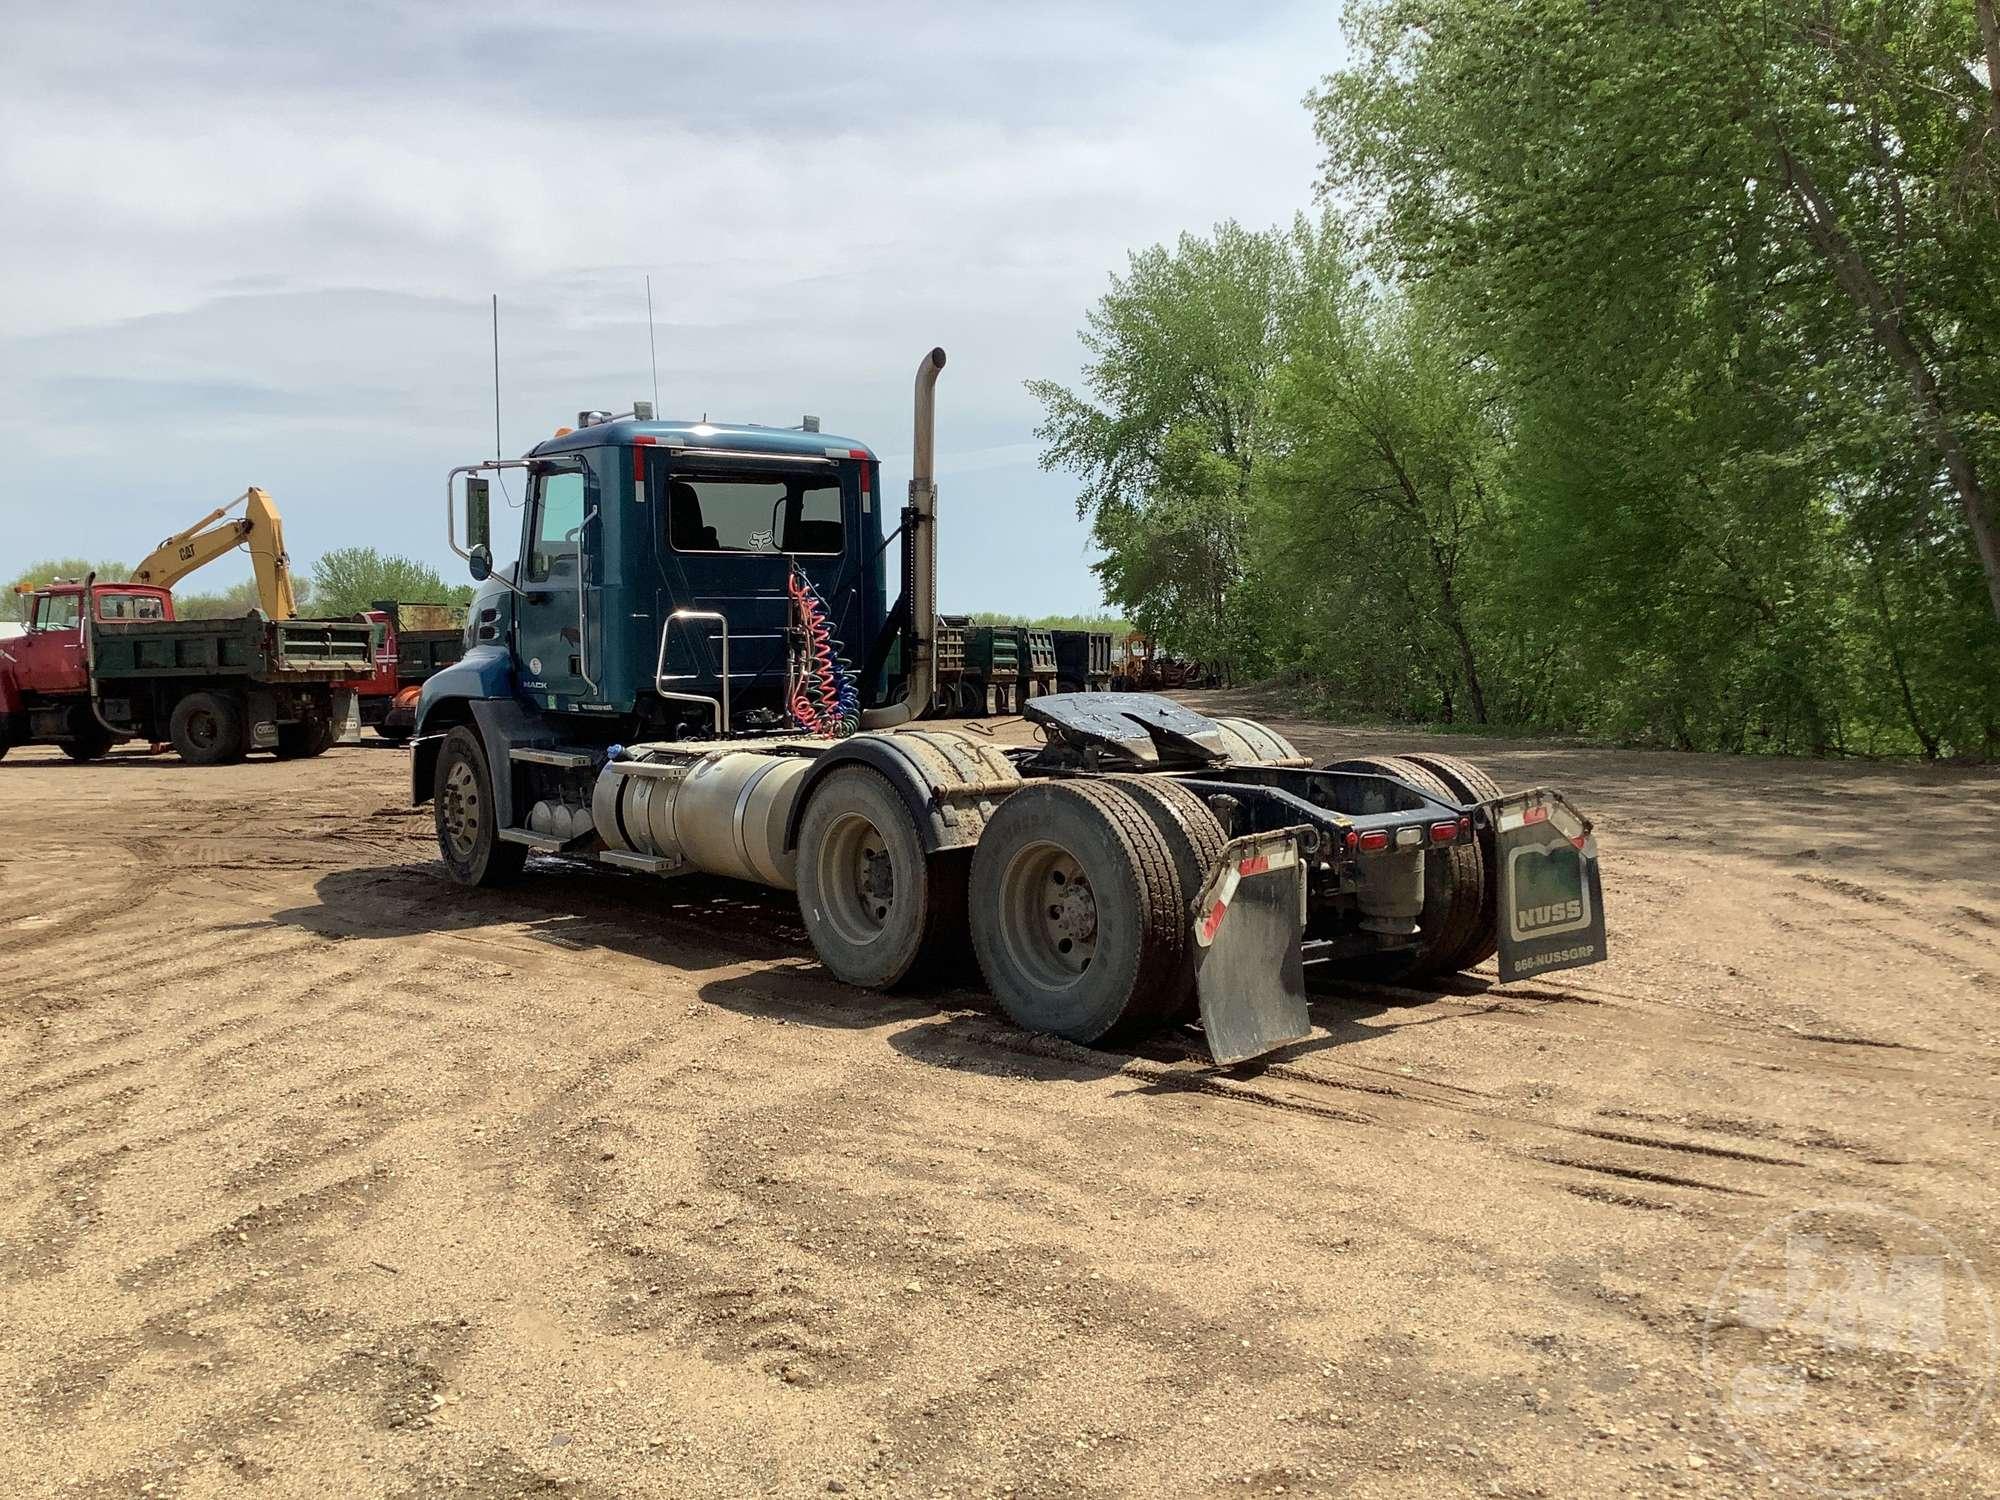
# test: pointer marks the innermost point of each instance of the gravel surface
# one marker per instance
(322, 1177)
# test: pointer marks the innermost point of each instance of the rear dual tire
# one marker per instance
(1458, 925)
(1077, 896)
(207, 729)
(315, 733)
(1080, 911)
(1471, 784)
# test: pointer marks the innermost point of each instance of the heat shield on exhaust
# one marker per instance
(1249, 930)
(1551, 905)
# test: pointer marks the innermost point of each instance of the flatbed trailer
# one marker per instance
(696, 668)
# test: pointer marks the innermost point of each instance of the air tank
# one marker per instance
(723, 812)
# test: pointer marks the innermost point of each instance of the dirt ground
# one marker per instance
(322, 1177)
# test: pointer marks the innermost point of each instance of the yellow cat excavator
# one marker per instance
(259, 528)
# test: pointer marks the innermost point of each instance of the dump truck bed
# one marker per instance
(419, 653)
(249, 646)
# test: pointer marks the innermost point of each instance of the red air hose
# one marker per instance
(823, 700)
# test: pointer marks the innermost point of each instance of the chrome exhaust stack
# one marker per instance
(919, 558)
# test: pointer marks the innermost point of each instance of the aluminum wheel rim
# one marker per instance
(856, 878)
(461, 808)
(1048, 915)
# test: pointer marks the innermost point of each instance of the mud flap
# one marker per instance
(1551, 903)
(1249, 927)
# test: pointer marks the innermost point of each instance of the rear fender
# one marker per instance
(949, 782)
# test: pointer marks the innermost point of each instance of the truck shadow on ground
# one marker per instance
(706, 926)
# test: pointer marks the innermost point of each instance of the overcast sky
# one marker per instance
(253, 244)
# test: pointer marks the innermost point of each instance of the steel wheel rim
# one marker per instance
(856, 878)
(203, 731)
(1048, 915)
(461, 808)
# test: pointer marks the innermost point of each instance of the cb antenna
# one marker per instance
(496, 375)
(652, 345)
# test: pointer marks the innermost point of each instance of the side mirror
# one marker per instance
(480, 564)
(478, 520)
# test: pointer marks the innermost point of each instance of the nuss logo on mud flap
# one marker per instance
(1550, 894)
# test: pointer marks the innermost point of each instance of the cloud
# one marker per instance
(259, 248)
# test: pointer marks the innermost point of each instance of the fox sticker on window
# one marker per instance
(1551, 901)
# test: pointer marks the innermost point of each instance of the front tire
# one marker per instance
(468, 827)
(880, 911)
(89, 740)
(207, 729)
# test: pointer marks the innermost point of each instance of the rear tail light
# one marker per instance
(1443, 833)
(1372, 842)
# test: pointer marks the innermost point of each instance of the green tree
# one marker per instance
(348, 580)
(1385, 498)
(1108, 624)
(1732, 264)
(1558, 154)
(1171, 425)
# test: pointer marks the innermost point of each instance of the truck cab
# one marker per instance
(379, 685)
(652, 588)
(43, 670)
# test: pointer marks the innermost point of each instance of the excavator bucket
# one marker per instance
(1249, 932)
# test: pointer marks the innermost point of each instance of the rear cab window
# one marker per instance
(791, 511)
(129, 607)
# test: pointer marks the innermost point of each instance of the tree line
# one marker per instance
(342, 582)
(1637, 375)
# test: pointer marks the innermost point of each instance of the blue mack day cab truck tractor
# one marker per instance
(697, 666)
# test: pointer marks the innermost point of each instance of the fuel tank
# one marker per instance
(722, 811)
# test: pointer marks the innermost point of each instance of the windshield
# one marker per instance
(755, 512)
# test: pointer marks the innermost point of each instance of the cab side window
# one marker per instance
(559, 511)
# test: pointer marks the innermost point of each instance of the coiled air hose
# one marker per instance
(824, 700)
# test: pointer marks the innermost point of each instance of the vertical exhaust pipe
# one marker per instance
(919, 559)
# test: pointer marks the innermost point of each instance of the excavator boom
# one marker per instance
(259, 528)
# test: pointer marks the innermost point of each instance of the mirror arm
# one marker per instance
(451, 509)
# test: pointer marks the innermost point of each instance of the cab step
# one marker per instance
(568, 760)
